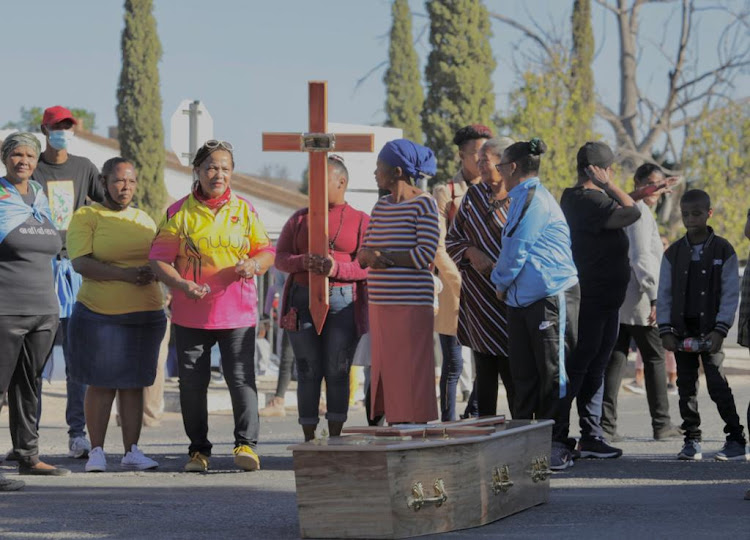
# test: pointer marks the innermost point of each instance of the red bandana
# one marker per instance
(214, 203)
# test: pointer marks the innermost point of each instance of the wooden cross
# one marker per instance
(317, 142)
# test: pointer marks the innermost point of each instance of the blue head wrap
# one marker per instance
(414, 159)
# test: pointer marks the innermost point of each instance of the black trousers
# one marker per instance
(536, 360)
(597, 334)
(488, 368)
(237, 348)
(649, 344)
(25, 343)
(718, 389)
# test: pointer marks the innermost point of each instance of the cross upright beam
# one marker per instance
(317, 143)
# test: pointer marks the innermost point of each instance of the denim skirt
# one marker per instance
(114, 351)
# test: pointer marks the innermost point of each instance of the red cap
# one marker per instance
(56, 114)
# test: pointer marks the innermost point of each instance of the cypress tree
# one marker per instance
(404, 95)
(140, 129)
(581, 73)
(458, 76)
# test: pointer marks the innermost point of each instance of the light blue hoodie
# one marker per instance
(536, 260)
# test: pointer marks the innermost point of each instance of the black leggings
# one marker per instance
(25, 342)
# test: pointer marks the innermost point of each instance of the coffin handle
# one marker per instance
(417, 499)
(501, 482)
(540, 470)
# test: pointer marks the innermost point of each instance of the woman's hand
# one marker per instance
(373, 259)
(246, 268)
(382, 261)
(480, 261)
(322, 266)
(366, 257)
(138, 275)
(194, 291)
(145, 275)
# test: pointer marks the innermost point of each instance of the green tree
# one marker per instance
(542, 107)
(140, 130)
(556, 102)
(86, 118)
(459, 67)
(31, 119)
(404, 95)
(716, 159)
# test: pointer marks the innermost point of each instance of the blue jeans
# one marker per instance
(453, 364)
(597, 335)
(325, 356)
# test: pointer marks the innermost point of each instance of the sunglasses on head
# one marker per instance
(336, 157)
(211, 144)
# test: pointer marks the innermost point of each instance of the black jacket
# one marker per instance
(717, 287)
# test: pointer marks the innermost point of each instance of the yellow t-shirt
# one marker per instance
(121, 239)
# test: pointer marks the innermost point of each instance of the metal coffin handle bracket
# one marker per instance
(540, 470)
(501, 482)
(417, 499)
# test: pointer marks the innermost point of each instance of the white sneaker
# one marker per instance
(135, 460)
(97, 460)
(78, 447)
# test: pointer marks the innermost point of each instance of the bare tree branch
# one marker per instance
(674, 75)
(607, 5)
(712, 73)
(364, 78)
(524, 29)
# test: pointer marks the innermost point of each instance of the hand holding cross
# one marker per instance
(318, 143)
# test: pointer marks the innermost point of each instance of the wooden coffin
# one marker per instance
(411, 481)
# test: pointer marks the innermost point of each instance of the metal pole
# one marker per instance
(193, 129)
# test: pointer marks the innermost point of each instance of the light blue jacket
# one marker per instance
(14, 212)
(536, 260)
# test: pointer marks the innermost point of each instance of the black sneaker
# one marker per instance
(732, 451)
(691, 451)
(560, 458)
(598, 448)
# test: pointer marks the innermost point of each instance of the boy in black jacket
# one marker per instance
(698, 297)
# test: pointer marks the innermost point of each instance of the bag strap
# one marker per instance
(529, 197)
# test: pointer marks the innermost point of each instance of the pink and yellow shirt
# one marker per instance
(205, 248)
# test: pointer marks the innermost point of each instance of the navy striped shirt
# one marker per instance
(410, 225)
(479, 222)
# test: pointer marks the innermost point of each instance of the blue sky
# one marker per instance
(249, 60)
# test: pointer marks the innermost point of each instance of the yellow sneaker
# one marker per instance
(198, 463)
(246, 458)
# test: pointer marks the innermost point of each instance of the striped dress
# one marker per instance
(401, 311)
(482, 318)
(409, 225)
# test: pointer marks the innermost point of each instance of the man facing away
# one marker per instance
(597, 211)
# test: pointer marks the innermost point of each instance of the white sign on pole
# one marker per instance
(362, 192)
(191, 126)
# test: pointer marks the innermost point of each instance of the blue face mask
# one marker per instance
(60, 138)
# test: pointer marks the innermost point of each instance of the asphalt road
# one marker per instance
(645, 494)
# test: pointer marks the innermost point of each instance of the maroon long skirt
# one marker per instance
(402, 379)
